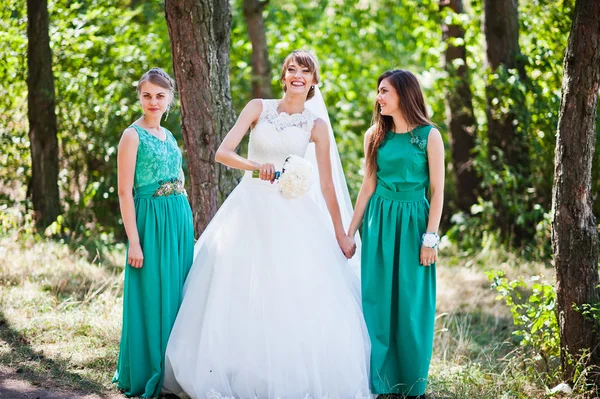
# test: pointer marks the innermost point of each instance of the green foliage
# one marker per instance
(15, 156)
(100, 49)
(590, 311)
(533, 308)
(355, 41)
(535, 99)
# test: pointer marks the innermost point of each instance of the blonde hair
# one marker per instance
(304, 59)
(159, 77)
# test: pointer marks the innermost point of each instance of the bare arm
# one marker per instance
(435, 155)
(226, 153)
(126, 158)
(366, 191)
(320, 136)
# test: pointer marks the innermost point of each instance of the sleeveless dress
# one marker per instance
(398, 293)
(271, 308)
(152, 294)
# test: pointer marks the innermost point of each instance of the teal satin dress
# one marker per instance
(153, 293)
(398, 293)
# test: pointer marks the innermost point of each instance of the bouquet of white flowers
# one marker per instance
(295, 178)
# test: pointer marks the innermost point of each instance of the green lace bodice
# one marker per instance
(157, 160)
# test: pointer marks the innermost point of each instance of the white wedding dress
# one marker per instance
(271, 307)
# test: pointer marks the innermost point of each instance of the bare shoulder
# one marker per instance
(319, 130)
(251, 112)
(254, 106)
(320, 125)
(370, 131)
(129, 137)
(435, 144)
(435, 136)
(434, 132)
(130, 134)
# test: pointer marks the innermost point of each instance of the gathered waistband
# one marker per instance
(405, 196)
(162, 188)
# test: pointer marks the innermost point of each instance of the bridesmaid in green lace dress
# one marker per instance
(159, 227)
(404, 160)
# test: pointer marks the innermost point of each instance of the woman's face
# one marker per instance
(298, 79)
(154, 99)
(387, 98)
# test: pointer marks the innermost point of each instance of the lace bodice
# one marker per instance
(278, 135)
(157, 160)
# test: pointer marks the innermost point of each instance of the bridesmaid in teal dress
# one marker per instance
(404, 160)
(159, 226)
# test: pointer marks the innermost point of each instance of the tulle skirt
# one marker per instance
(271, 307)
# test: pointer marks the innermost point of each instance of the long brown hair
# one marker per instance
(412, 106)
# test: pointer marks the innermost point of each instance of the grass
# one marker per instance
(60, 317)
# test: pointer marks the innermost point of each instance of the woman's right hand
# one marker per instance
(136, 257)
(267, 172)
(347, 245)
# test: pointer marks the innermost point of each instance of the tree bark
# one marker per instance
(199, 31)
(261, 68)
(460, 118)
(42, 116)
(507, 144)
(574, 230)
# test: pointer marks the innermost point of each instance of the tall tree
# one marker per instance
(574, 229)
(507, 143)
(199, 32)
(460, 118)
(42, 116)
(261, 68)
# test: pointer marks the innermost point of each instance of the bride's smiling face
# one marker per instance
(297, 79)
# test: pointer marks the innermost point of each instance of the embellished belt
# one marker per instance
(162, 188)
(405, 196)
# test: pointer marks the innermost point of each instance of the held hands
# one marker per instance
(428, 256)
(347, 245)
(267, 172)
(136, 257)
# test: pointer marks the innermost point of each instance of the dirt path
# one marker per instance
(12, 387)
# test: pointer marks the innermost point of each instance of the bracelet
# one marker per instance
(430, 240)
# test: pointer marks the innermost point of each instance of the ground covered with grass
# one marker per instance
(60, 318)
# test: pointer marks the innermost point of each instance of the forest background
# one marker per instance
(492, 81)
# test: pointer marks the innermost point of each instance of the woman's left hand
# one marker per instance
(347, 245)
(428, 256)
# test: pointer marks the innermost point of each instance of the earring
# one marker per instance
(168, 109)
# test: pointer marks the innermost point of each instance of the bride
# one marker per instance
(271, 306)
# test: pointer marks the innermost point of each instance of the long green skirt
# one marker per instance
(398, 293)
(153, 293)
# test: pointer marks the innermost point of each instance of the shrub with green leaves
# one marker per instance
(532, 304)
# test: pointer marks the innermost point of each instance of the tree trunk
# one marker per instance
(261, 69)
(42, 117)
(574, 230)
(507, 144)
(459, 108)
(199, 32)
